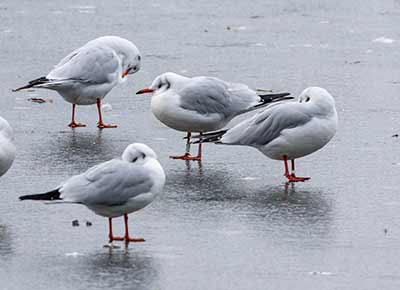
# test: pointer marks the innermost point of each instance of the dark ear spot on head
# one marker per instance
(143, 155)
(307, 99)
(134, 159)
(139, 57)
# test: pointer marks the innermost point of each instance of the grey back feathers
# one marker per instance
(109, 183)
(207, 95)
(266, 125)
(91, 64)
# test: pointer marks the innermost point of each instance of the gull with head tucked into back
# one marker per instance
(113, 188)
(285, 131)
(7, 147)
(87, 74)
(201, 104)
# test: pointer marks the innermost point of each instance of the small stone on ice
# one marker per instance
(75, 223)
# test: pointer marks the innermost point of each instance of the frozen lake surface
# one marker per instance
(229, 222)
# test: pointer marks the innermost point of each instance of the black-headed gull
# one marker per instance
(286, 131)
(86, 75)
(113, 188)
(201, 104)
(7, 147)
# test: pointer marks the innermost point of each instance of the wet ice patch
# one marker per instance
(229, 232)
(168, 256)
(21, 108)
(383, 39)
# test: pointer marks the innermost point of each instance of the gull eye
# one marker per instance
(160, 86)
(134, 68)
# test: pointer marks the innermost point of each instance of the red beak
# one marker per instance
(125, 73)
(144, 91)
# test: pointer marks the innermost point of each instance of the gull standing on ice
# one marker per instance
(7, 147)
(286, 131)
(86, 75)
(113, 188)
(201, 104)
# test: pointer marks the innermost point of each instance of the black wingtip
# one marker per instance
(51, 195)
(22, 88)
(269, 98)
(212, 137)
(32, 83)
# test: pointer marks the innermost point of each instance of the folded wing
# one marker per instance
(267, 125)
(110, 183)
(90, 64)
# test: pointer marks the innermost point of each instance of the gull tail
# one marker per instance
(51, 195)
(212, 137)
(33, 84)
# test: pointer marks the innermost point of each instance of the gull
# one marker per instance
(87, 74)
(7, 147)
(285, 131)
(113, 188)
(201, 104)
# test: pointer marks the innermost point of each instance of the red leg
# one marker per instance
(286, 166)
(110, 233)
(199, 150)
(127, 238)
(187, 155)
(73, 124)
(292, 177)
(100, 123)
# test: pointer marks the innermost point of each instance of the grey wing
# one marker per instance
(267, 125)
(243, 97)
(67, 58)
(92, 64)
(110, 183)
(206, 95)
